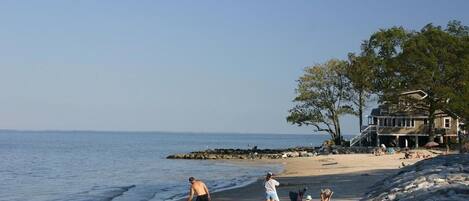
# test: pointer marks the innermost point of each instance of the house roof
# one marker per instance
(375, 112)
(416, 94)
(388, 109)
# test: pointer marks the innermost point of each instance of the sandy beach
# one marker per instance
(349, 176)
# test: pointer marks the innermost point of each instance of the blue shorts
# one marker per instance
(271, 196)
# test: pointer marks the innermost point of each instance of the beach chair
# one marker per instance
(390, 151)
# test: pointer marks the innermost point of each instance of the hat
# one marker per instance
(269, 174)
(308, 197)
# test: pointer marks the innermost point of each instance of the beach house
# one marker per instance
(406, 124)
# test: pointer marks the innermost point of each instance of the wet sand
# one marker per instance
(349, 176)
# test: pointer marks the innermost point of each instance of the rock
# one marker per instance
(310, 154)
(457, 177)
(294, 154)
(215, 154)
(303, 153)
(440, 178)
(291, 154)
(391, 197)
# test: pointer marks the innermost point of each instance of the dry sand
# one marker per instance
(349, 176)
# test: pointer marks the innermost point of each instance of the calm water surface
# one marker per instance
(123, 166)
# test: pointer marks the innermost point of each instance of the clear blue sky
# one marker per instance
(202, 66)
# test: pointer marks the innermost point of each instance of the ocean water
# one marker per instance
(123, 166)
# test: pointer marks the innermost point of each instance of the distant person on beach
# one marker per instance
(326, 194)
(270, 190)
(200, 189)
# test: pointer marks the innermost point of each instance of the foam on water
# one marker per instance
(104, 166)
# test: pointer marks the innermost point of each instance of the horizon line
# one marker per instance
(148, 131)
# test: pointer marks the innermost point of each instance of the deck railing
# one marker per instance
(365, 132)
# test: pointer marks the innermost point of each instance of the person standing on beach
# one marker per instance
(270, 190)
(200, 189)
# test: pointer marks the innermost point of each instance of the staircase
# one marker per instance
(365, 133)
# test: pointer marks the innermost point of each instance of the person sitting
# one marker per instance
(407, 155)
(378, 151)
(326, 194)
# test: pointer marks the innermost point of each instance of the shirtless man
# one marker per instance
(200, 189)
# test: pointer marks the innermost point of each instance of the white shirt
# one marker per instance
(270, 185)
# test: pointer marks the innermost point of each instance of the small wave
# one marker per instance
(217, 186)
(99, 193)
(123, 190)
(248, 177)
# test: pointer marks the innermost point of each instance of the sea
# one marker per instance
(125, 166)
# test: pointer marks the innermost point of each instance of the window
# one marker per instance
(413, 122)
(407, 123)
(447, 122)
(425, 121)
(380, 121)
(399, 122)
(393, 122)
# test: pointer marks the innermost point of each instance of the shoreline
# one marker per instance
(278, 165)
(348, 175)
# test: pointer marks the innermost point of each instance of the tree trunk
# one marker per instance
(335, 121)
(337, 131)
(339, 135)
(360, 110)
(431, 123)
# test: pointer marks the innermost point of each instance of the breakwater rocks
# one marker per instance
(221, 154)
(439, 178)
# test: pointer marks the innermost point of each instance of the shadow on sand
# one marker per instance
(349, 186)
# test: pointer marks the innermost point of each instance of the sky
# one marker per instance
(181, 66)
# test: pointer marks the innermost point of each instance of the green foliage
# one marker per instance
(322, 96)
(459, 101)
(381, 50)
(432, 59)
(359, 73)
(459, 96)
(392, 61)
(457, 29)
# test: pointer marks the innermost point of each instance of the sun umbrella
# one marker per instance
(431, 144)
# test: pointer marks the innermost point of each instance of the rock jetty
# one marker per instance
(439, 178)
(223, 154)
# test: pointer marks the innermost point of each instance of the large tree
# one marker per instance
(323, 96)
(459, 96)
(381, 50)
(459, 101)
(360, 74)
(433, 59)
